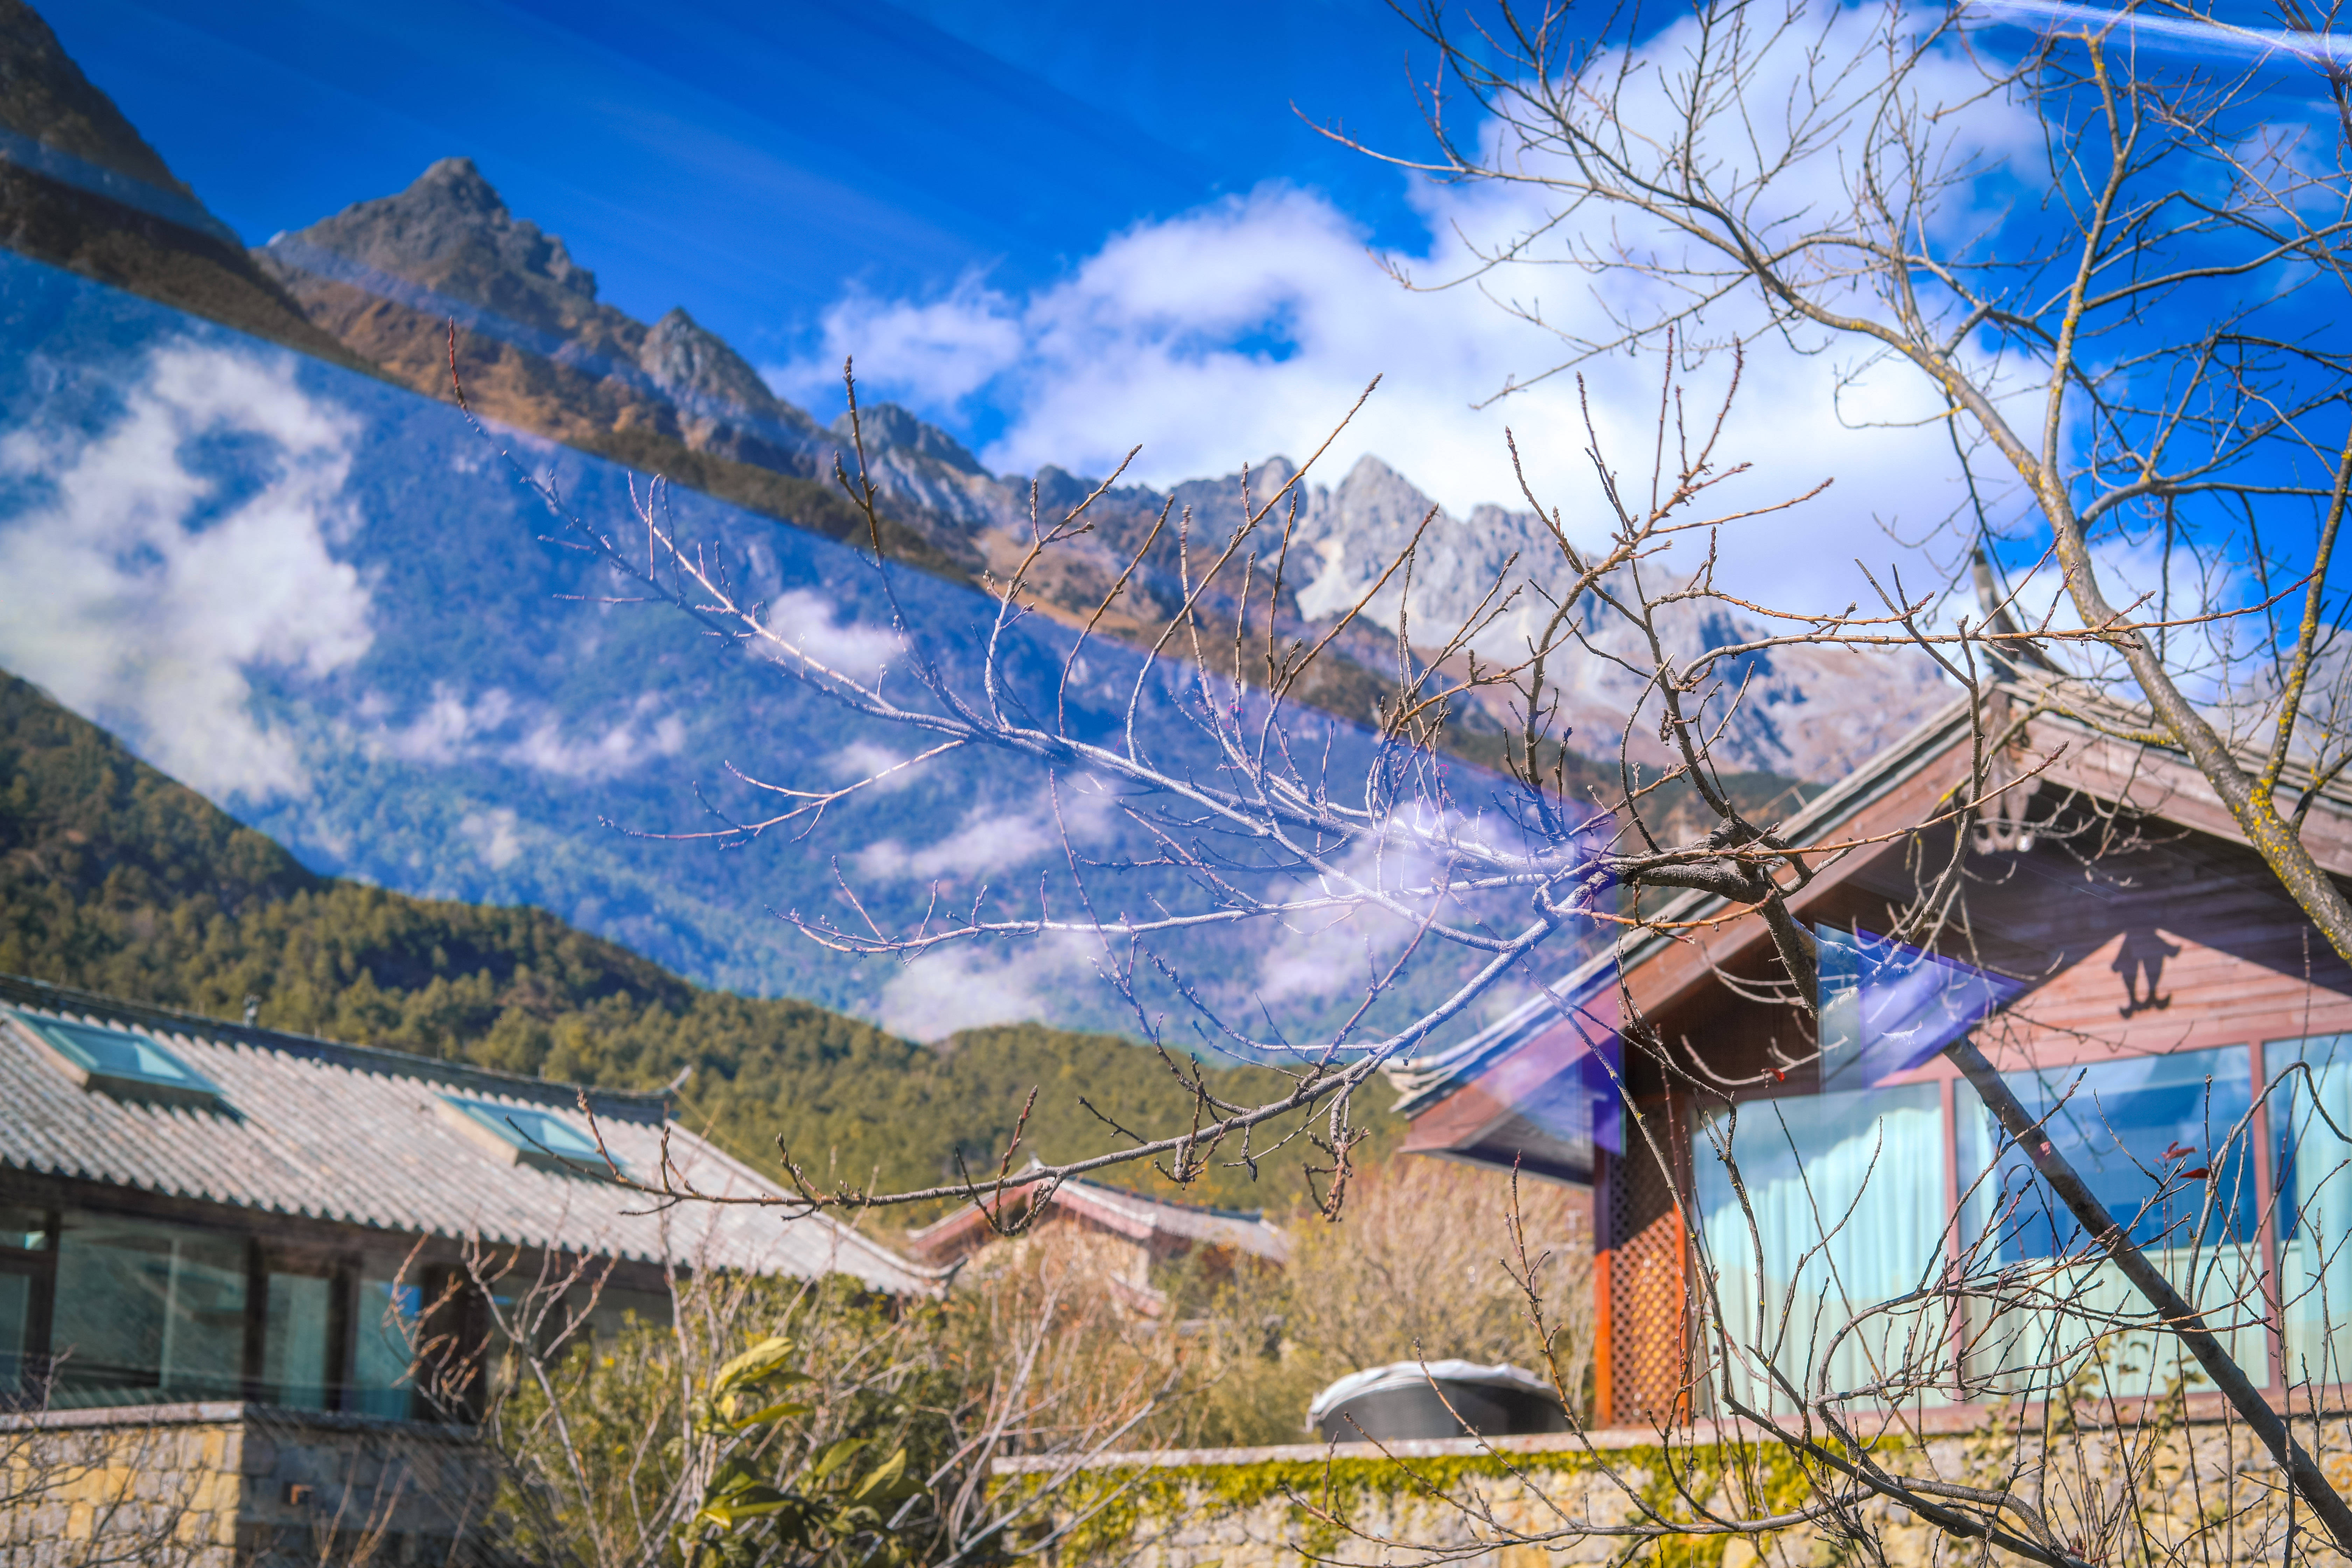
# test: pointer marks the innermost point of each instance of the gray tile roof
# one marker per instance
(362, 1136)
(1114, 1209)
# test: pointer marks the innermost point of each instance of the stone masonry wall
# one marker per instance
(2164, 1490)
(231, 1486)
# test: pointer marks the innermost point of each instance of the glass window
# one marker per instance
(1844, 1210)
(15, 1333)
(2116, 1123)
(146, 1311)
(383, 1330)
(296, 1341)
(1887, 1006)
(2161, 1141)
(24, 1288)
(23, 1230)
(2313, 1139)
(536, 1134)
(115, 1059)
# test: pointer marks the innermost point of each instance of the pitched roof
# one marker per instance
(1426, 1080)
(1122, 1213)
(2085, 755)
(368, 1137)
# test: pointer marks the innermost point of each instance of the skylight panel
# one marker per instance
(524, 1135)
(116, 1061)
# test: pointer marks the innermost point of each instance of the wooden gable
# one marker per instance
(2173, 935)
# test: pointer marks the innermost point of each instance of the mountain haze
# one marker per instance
(377, 286)
(544, 353)
(115, 879)
(288, 572)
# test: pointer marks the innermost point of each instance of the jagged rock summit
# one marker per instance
(1811, 711)
(687, 359)
(84, 191)
(887, 425)
(552, 357)
(45, 96)
(540, 350)
(451, 232)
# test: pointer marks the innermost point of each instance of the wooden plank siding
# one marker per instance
(2179, 940)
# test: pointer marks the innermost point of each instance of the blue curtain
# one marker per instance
(1847, 1196)
(2115, 1121)
(2315, 1176)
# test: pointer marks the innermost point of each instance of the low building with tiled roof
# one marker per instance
(1124, 1234)
(207, 1226)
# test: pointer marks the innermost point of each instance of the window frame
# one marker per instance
(38, 1267)
(57, 1039)
(2260, 1158)
(491, 1127)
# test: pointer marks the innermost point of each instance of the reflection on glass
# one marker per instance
(23, 1230)
(2314, 1112)
(294, 1340)
(2120, 1124)
(147, 1311)
(1886, 1007)
(119, 1055)
(382, 1324)
(15, 1333)
(533, 1131)
(2159, 1140)
(1846, 1195)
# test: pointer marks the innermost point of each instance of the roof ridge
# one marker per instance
(1247, 1216)
(633, 1105)
(2066, 701)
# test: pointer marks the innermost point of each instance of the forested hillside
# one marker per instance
(116, 878)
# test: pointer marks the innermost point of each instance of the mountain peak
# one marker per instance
(458, 183)
(886, 425)
(451, 230)
(45, 96)
(694, 364)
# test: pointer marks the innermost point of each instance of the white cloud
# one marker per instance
(1248, 326)
(866, 759)
(969, 987)
(452, 728)
(618, 749)
(952, 346)
(141, 589)
(985, 842)
(816, 627)
(495, 836)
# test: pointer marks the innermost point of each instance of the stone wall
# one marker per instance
(234, 1486)
(2155, 1487)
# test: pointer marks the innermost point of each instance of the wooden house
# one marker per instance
(2161, 992)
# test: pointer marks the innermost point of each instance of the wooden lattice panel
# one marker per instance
(1648, 1336)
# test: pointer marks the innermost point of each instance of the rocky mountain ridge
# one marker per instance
(81, 189)
(376, 285)
(1807, 712)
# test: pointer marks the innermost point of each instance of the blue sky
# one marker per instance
(752, 161)
(1058, 230)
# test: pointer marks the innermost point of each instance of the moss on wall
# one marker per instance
(1318, 1502)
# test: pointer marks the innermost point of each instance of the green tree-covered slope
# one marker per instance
(116, 878)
